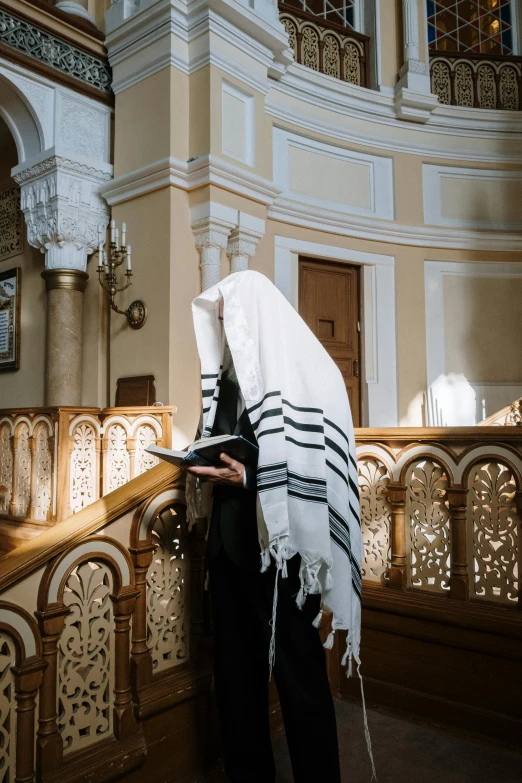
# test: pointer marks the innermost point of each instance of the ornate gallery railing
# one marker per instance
(510, 416)
(325, 46)
(477, 80)
(56, 461)
(442, 510)
(117, 593)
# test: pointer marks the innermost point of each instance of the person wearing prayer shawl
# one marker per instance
(284, 536)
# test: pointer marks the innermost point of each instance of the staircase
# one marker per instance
(105, 651)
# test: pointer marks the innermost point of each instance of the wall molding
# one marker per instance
(207, 170)
(379, 168)
(380, 398)
(249, 129)
(432, 178)
(434, 273)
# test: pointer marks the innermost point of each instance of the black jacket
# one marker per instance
(233, 524)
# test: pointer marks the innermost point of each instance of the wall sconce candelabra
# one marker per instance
(108, 263)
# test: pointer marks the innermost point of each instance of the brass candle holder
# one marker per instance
(108, 264)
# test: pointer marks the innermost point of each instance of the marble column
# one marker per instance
(241, 247)
(65, 289)
(211, 239)
(63, 212)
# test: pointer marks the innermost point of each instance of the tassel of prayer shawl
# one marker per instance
(317, 622)
(265, 560)
(366, 729)
(329, 643)
(271, 651)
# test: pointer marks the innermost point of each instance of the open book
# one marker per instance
(206, 451)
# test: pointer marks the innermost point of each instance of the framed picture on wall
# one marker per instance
(10, 301)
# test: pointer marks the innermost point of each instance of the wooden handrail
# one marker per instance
(35, 553)
(438, 434)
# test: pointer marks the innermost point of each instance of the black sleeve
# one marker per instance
(251, 477)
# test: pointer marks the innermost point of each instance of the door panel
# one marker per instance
(329, 304)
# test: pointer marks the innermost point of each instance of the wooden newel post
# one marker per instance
(49, 743)
(124, 719)
(141, 658)
(397, 497)
(28, 678)
(459, 578)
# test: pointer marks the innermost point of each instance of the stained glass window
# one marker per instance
(482, 26)
(340, 11)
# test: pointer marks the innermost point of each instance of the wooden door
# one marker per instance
(329, 304)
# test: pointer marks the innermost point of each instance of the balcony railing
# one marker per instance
(442, 509)
(56, 461)
(477, 80)
(325, 46)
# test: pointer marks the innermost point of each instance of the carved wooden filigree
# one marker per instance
(467, 80)
(7, 710)
(331, 57)
(43, 467)
(22, 478)
(83, 468)
(117, 458)
(495, 532)
(166, 593)
(352, 64)
(464, 84)
(428, 519)
(440, 81)
(86, 658)
(6, 467)
(509, 96)
(145, 437)
(310, 48)
(375, 518)
(326, 47)
(11, 223)
(487, 90)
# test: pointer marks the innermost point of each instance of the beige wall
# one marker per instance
(483, 328)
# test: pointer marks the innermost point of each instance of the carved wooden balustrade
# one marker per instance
(325, 46)
(441, 510)
(101, 627)
(477, 80)
(56, 461)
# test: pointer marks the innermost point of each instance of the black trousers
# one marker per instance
(242, 609)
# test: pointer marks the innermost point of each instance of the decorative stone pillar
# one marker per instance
(241, 247)
(414, 100)
(63, 211)
(211, 238)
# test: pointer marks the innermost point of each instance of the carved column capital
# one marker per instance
(413, 98)
(63, 210)
(241, 247)
(211, 237)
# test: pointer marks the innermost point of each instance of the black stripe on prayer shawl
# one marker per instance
(341, 475)
(339, 430)
(258, 404)
(208, 377)
(341, 535)
(303, 427)
(297, 442)
(270, 432)
(304, 410)
(271, 476)
(312, 490)
(270, 413)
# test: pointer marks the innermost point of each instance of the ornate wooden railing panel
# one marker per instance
(477, 80)
(115, 621)
(450, 503)
(325, 46)
(510, 416)
(56, 461)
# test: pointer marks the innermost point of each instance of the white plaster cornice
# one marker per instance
(290, 210)
(304, 121)
(187, 29)
(339, 97)
(208, 170)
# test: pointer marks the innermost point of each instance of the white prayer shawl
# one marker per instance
(308, 500)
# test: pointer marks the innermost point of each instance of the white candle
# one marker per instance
(117, 236)
(105, 263)
(113, 228)
(123, 232)
(128, 258)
